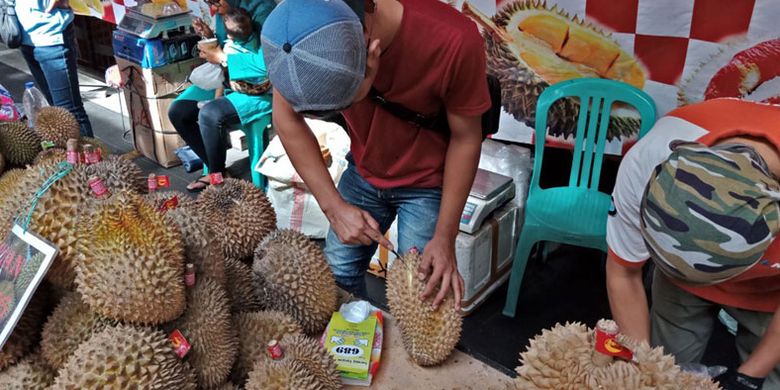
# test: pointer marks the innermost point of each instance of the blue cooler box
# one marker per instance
(149, 53)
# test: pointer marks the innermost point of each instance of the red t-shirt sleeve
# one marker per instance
(466, 91)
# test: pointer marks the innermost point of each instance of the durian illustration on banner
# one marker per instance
(678, 52)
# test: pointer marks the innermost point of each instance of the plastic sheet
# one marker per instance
(510, 160)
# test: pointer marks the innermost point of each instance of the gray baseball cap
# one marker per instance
(315, 53)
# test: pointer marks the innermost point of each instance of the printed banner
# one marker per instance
(678, 51)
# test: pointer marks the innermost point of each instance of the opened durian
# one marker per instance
(564, 358)
(125, 357)
(242, 213)
(209, 329)
(57, 125)
(429, 335)
(255, 330)
(31, 373)
(27, 332)
(131, 266)
(200, 247)
(71, 324)
(305, 366)
(241, 287)
(19, 144)
(296, 278)
(530, 47)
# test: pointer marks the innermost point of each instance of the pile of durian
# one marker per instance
(564, 357)
(116, 291)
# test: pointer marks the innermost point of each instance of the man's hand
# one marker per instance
(65, 4)
(439, 262)
(215, 55)
(353, 225)
(201, 28)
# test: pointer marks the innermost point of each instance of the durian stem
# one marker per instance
(486, 23)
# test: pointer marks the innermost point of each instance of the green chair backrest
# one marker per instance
(596, 97)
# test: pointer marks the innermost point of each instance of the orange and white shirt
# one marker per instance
(757, 289)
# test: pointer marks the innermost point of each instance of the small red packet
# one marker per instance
(170, 204)
(216, 178)
(180, 344)
(163, 181)
(607, 344)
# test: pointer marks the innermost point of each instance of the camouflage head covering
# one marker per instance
(709, 213)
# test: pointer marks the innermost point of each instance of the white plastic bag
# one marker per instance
(296, 208)
(208, 76)
(510, 160)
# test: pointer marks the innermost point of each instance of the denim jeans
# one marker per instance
(417, 210)
(205, 129)
(56, 76)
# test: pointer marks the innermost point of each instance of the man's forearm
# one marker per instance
(460, 167)
(627, 300)
(766, 356)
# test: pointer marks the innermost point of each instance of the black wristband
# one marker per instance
(738, 381)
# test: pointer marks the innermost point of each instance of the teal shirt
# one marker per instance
(40, 28)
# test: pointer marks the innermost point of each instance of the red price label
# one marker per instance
(216, 178)
(170, 204)
(608, 345)
(163, 181)
(180, 344)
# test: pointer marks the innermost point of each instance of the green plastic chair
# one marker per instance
(575, 214)
(256, 136)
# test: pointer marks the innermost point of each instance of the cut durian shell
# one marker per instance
(131, 265)
(305, 366)
(31, 373)
(531, 46)
(57, 125)
(19, 144)
(296, 279)
(429, 335)
(255, 330)
(563, 358)
(27, 331)
(125, 357)
(242, 287)
(71, 324)
(747, 70)
(240, 214)
(200, 247)
(208, 327)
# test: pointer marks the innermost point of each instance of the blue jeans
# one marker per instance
(417, 210)
(56, 76)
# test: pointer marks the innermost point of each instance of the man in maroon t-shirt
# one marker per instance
(422, 54)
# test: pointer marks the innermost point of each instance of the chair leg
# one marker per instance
(256, 135)
(523, 250)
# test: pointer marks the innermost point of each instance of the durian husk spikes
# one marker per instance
(255, 330)
(31, 373)
(71, 323)
(429, 335)
(305, 366)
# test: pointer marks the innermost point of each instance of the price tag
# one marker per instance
(180, 345)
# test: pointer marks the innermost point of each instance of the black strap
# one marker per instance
(405, 114)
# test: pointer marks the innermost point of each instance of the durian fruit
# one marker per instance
(57, 125)
(125, 357)
(563, 358)
(60, 155)
(200, 247)
(305, 366)
(158, 198)
(11, 198)
(131, 266)
(31, 373)
(240, 214)
(530, 47)
(241, 287)
(208, 327)
(296, 279)
(256, 330)
(27, 332)
(118, 174)
(227, 386)
(2, 163)
(71, 324)
(19, 144)
(429, 335)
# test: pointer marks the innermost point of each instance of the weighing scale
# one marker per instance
(489, 192)
(146, 26)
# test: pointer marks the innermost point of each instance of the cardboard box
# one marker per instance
(148, 94)
(485, 257)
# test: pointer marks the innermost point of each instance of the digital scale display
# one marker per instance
(489, 192)
(148, 27)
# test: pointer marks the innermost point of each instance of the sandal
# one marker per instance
(199, 185)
